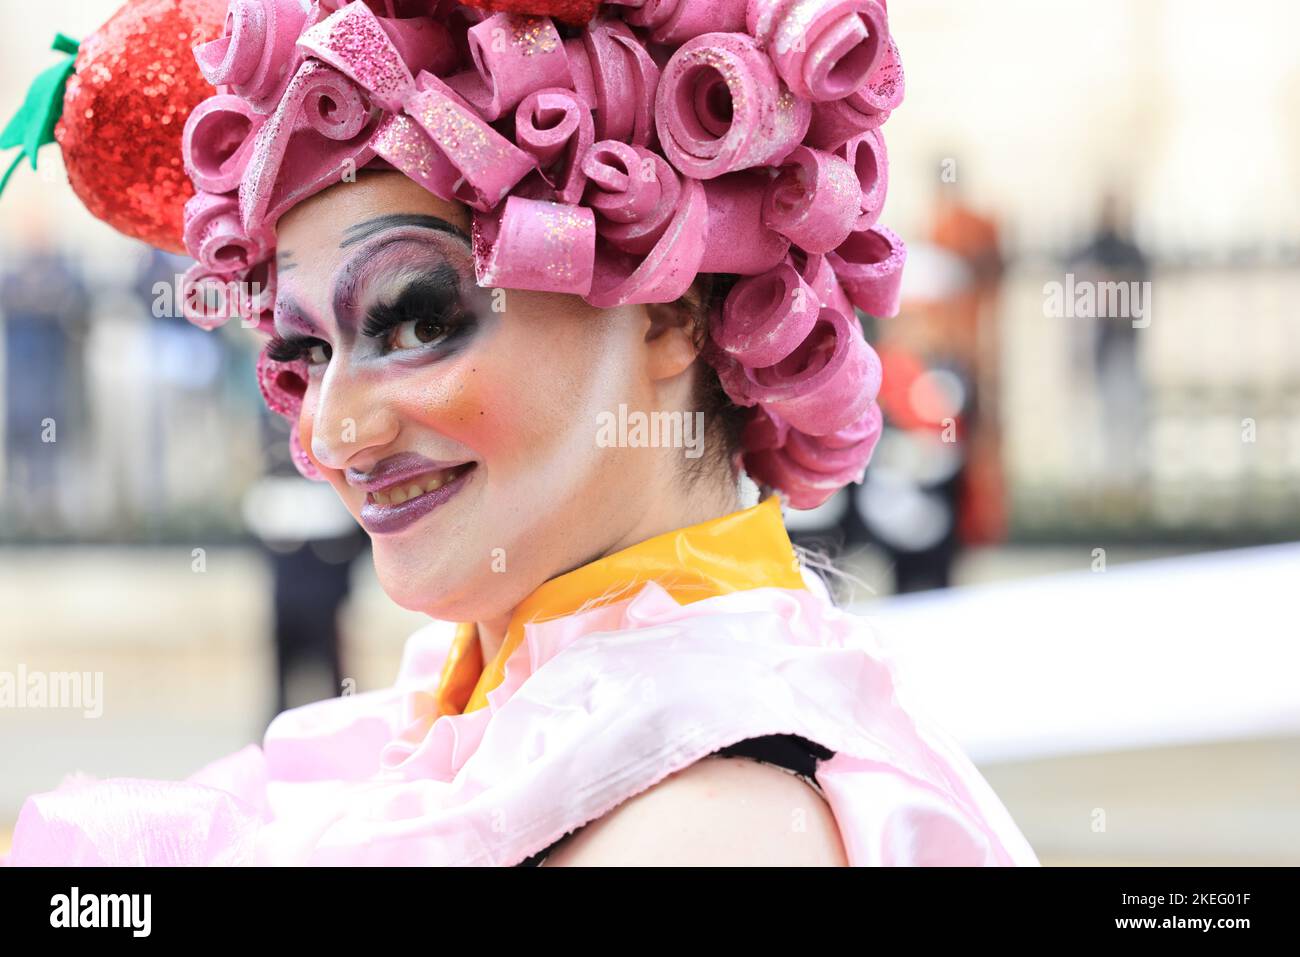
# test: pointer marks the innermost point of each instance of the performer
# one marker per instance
(504, 258)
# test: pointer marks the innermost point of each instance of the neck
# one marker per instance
(682, 511)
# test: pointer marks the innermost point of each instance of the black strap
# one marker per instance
(791, 751)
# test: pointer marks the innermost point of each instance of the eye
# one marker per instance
(292, 348)
(415, 333)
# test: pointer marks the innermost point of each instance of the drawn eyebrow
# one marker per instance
(367, 228)
(284, 260)
(354, 275)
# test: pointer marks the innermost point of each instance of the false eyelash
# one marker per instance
(379, 324)
(289, 348)
(430, 297)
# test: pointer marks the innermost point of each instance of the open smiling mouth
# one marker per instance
(398, 506)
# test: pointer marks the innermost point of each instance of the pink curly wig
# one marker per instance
(614, 155)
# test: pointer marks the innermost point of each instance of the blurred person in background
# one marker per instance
(936, 482)
(46, 306)
(180, 369)
(310, 542)
(1110, 256)
(971, 340)
(911, 499)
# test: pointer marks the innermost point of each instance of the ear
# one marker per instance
(670, 339)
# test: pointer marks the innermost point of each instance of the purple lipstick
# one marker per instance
(404, 488)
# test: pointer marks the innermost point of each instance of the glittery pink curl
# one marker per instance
(721, 107)
(256, 56)
(536, 244)
(823, 49)
(667, 271)
(215, 236)
(869, 265)
(555, 125)
(865, 109)
(819, 274)
(617, 162)
(883, 91)
(319, 132)
(208, 299)
(488, 162)
(765, 318)
(513, 56)
(675, 21)
(870, 163)
(839, 450)
(811, 201)
(257, 292)
(737, 240)
(634, 191)
(211, 298)
(352, 42)
(283, 385)
(401, 142)
(614, 72)
(810, 468)
(822, 386)
(218, 141)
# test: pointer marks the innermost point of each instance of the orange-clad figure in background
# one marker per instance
(969, 322)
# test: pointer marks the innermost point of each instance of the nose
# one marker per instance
(351, 425)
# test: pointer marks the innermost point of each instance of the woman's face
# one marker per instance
(459, 424)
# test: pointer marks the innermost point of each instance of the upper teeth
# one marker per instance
(400, 494)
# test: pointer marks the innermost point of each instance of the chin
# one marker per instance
(409, 584)
(448, 593)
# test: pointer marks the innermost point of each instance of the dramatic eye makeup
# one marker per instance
(401, 289)
(426, 312)
(295, 347)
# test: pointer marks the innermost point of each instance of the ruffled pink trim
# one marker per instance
(363, 780)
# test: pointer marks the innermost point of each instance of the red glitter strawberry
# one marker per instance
(121, 107)
(135, 84)
(575, 12)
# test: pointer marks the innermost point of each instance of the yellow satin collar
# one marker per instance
(746, 549)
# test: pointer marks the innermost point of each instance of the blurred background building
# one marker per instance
(1087, 511)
